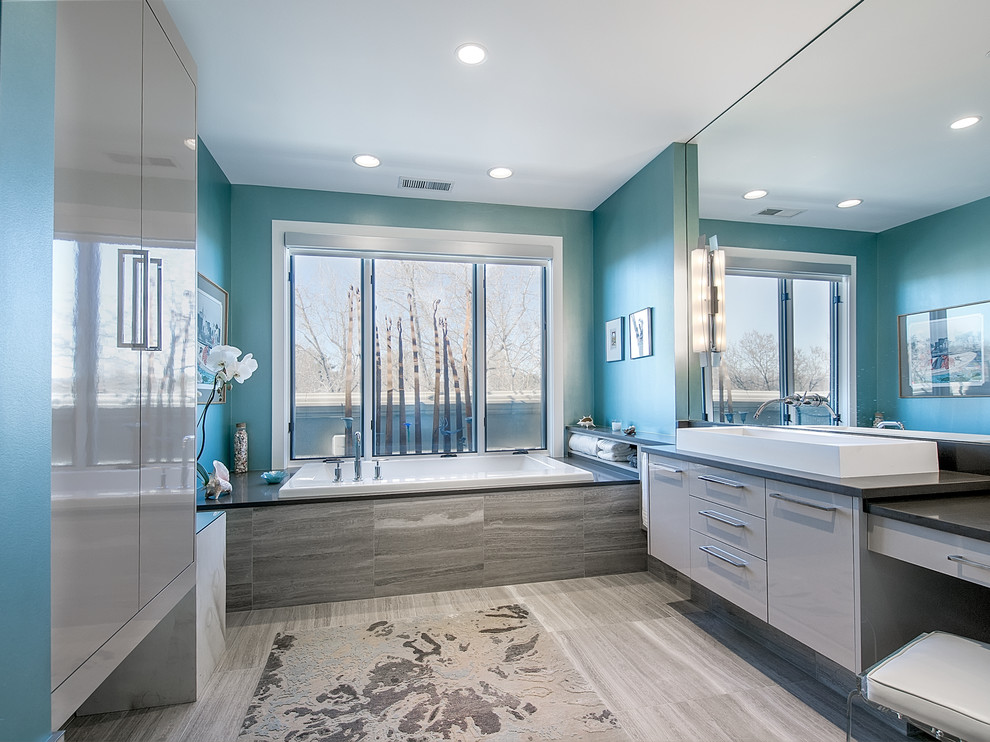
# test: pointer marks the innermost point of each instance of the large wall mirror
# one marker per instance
(865, 112)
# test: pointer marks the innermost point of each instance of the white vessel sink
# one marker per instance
(830, 454)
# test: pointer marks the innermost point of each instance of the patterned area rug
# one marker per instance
(487, 675)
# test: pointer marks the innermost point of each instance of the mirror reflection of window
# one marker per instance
(780, 336)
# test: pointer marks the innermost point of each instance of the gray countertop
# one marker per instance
(250, 490)
(865, 488)
(956, 502)
(963, 515)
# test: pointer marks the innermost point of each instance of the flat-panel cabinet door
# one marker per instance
(668, 533)
(95, 373)
(168, 189)
(811, 570)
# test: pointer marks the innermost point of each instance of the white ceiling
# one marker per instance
(576, 95)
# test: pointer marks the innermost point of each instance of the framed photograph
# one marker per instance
(942, 352)
(614, 342)
(211, 329)
(641, 333)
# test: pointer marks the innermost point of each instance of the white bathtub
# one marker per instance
(430, 475)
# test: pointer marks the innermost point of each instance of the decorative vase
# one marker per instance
(240, 449)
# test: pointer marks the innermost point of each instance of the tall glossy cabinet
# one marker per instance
(123, 382)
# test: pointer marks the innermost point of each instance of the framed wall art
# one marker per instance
(614, 342)
(641, 333)
(211, 329)
(942, 352)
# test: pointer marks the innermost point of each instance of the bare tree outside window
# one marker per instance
(423, 398)
(420, 311)
(326, 363)
(515, 356)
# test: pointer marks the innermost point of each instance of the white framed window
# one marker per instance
(790, 330)
(423, 342)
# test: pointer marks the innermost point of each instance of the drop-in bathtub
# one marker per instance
(401, 475)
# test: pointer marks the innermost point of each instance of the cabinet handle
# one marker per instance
(662, 467)
(132, 306)
(724, 556)
(720, 480)
(154, 291)
(729, 521)
(794, 500)
(967, 562)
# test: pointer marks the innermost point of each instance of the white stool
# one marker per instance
(939, 682)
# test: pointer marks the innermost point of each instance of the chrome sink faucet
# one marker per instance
(790, 399)
(357, 457)
(812, 399)
(889, 424)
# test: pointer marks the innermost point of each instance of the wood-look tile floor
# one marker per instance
(648, 652)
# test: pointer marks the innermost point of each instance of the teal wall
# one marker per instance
(213, 261)
(254, 207)
(862, 245)
(27, 96)
(638, 231)
(942, 260)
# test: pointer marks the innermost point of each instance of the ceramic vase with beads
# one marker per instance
(240, 448)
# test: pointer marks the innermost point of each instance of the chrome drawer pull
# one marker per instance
(715, 515)
(670, 469)
(815, 505)
(967, 562)
(724, 556)
(719, 480)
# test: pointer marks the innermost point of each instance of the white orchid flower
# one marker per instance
(222, 360)
(244, 368)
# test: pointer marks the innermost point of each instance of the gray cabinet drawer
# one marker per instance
(948, 553)
(667, 482)
(740, 491)
(742, 530)
(812, 572)
(738, 577)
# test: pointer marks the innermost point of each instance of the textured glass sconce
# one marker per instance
(708, 301)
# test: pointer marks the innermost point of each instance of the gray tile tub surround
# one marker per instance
(329, 551)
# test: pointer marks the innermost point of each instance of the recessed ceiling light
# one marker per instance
(367, 160)
(849, 203)
(190, 143)
(471, 53)
(965, 123)
(500, 172)
(753, 195)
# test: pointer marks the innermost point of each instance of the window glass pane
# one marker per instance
(514, 357)
(749, 374)
(326, 355)
(812, 308)
(424, 346)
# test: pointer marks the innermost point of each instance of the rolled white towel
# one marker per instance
(614, 447)
(585, 444)
(608, 456)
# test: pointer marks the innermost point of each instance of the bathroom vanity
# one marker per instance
(790, 548)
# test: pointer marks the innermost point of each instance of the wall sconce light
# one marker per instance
(708, 300)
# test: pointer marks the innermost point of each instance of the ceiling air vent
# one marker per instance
(780, 213)
(420, 184)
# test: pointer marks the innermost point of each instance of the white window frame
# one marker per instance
(842, 268)
(392, 242)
